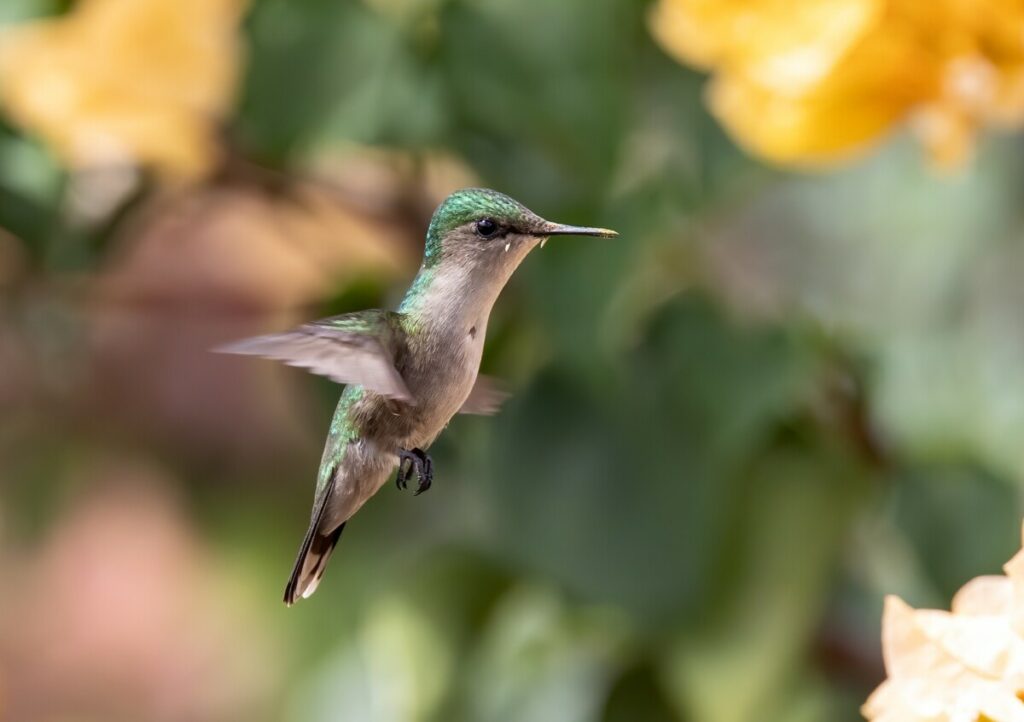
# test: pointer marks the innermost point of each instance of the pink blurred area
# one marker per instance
(119, 612)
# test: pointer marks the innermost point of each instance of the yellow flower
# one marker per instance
(125, 81)
(966, 665)
(813, 81)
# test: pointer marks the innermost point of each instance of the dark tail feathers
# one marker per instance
(310, 565)
(313, 554)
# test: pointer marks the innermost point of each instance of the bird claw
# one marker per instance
(404, 472)
(419, 461)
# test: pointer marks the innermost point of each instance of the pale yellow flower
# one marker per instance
(119, 82)
(966, 665)
(812, 81)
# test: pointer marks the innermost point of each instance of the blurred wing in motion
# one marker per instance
(485, 398)
(355, 348)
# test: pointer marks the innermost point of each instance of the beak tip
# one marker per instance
(557, 229)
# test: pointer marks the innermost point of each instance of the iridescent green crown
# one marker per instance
(467, 205)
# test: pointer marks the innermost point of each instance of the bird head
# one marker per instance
(484, 228)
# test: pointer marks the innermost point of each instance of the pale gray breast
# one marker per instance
(440, 375)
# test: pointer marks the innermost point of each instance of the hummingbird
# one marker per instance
(407, 372)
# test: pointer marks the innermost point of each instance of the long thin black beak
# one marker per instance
(559, 229)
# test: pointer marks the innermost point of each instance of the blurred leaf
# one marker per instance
(837, 248)
(638, 696)
(30, 191)
(566, 118)
(394, 670)
(360, 80)
(925, 287)
(939, 510)
(743, 661)
(624, 494)
(540, 660)
(12, 11)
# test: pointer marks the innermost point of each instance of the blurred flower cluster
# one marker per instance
(819, 80)
(122, 82)
(965, 665)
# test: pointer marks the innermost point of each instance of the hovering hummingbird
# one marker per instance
(408, 371)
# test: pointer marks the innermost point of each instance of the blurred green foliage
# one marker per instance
(773, 400)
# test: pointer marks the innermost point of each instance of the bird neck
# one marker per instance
(452, 295)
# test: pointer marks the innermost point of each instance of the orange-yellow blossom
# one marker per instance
(966, 665)
(814, 81)
(125, 81)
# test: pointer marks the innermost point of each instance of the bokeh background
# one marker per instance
(795, 383)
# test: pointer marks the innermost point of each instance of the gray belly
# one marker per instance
(439, 393)
(439, 377)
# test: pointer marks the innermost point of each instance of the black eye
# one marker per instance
(486, 227)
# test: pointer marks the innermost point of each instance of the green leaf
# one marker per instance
(540, 659)
(745, 659)
(623, 491)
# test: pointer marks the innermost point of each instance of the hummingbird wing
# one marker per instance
(354, 348)
(485, 398)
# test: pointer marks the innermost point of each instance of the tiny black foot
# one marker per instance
(422, 464)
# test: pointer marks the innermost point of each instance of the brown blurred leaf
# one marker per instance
(12, 258)
(15, 369)
(244, 247)
(152, 372)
